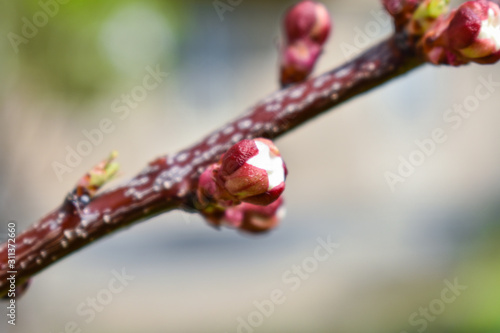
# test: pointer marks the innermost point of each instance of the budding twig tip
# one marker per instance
(239, 190)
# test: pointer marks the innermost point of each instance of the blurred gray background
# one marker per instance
(396, 248)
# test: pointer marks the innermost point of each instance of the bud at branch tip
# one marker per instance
(307, 26)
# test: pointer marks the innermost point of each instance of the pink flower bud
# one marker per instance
(298, 61)
(307, 26)
(474, 31)
(251, 171)
(401, 10)
(253, 218)
(307, 20)
(398, 7)
(470, 33)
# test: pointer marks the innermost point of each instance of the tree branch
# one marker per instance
(170, 182)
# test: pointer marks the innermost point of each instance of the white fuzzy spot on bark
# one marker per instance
(244, 124)
(228, 130)
(343, 72)
(182, 157)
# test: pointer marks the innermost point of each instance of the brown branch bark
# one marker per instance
(170, 182)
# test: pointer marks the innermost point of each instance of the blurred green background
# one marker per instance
(396, 249)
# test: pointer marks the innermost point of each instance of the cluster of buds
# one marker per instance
(471, 33)
(306, 27)
(243, 190)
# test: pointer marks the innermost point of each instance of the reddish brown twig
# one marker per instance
(170, 182)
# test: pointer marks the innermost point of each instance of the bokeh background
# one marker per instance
(396, 248)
